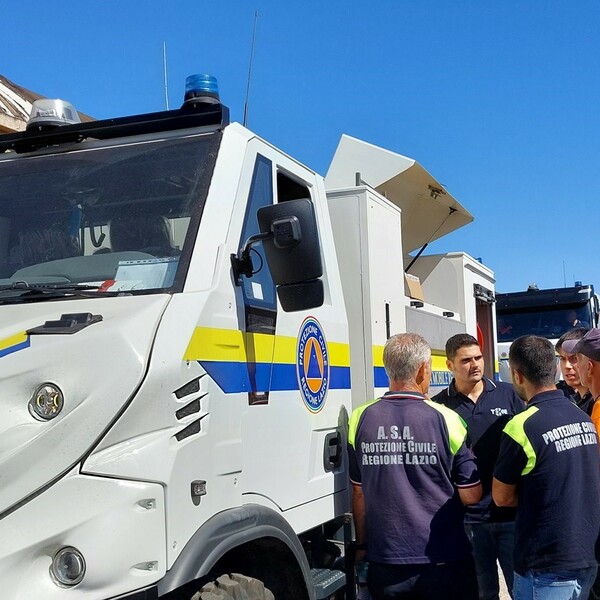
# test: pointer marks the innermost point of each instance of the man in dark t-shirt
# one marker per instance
(485, 406)
(411, 473)
(548, 467)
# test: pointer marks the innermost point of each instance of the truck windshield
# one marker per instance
(550, 323)
(113, 218)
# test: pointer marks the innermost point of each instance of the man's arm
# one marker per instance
(507, 472)
(504, 494)
(470, 495)
(465, 476)
(358, 513)
(360, 527)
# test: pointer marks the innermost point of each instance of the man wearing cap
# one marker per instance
(548, 467)
(587, 350)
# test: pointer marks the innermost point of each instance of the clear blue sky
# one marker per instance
(499, 100)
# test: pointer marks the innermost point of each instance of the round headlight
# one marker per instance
(47, 402)
(68, 566)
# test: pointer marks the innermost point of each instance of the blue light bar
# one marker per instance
(201, 88)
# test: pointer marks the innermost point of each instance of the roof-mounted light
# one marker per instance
(201, 88)
(46, 112)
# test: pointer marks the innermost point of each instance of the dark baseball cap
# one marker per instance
(588, 345)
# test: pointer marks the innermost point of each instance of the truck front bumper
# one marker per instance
(118, 527)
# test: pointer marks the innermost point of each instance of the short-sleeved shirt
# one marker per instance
(409, 455)
(550, 452)
(485, 420)
(585, 402)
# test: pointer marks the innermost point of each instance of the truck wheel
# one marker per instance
(234, 587)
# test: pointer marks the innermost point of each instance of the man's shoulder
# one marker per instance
(441, 396)
(446, 397)
(456, 429)
(502, 391)
(449, 415)
(500, 387)
(355, 417)
(515, 428)
(357, 413)
(573, 409)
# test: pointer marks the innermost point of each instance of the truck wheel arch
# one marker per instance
(248, 540)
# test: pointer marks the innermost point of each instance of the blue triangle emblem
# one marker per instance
(313, 371)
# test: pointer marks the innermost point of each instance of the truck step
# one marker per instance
(326, 582)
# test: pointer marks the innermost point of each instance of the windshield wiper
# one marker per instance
(21, 291)
(44, 287)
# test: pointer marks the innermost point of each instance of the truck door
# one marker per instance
(258, 292)
(289, 458)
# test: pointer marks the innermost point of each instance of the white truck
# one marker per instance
(546, 312)
(187, 317)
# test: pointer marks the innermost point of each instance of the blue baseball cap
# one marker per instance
(588, 345)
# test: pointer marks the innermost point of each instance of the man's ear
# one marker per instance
(420, 374)
(517, 376)
(449, 365)
(423, 377)
(591, 366)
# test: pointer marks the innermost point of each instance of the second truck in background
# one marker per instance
(548, 313)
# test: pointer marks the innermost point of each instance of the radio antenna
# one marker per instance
(165, 75)
(250, 69)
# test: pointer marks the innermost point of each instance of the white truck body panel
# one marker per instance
(98, 371)
(368, 236)
(119, 526)
(424, 202)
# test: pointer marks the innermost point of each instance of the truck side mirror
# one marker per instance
(293, 253)
(291, 244)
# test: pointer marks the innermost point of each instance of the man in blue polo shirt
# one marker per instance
(485, 407)
(411, 473)
(548, 467)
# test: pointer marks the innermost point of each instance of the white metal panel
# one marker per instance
(442, 281)
(385, 268)
(429, 210)
(98, 369)
(350, 233)
(118, 526)
(218, 211)
(368, 237)
(448, 279)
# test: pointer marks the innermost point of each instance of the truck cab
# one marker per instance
(150, 376)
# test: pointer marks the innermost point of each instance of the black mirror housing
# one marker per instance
(301, 296)
(293, 251)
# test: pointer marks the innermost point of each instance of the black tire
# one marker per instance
(233, 587)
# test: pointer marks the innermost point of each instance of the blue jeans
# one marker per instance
(560, 585)
(492, 542)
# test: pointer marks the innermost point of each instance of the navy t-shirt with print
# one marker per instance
(550, 452)
(409, 455)
(485, 420)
